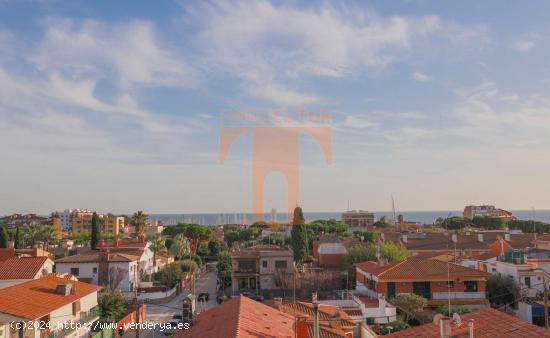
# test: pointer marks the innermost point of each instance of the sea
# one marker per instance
(424, 217)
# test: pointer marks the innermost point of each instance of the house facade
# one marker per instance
(62, 300)
(435, 280)
(119, 271)
(257, 268)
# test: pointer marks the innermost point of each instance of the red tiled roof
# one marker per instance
(37, 298)
(241, 317)
(21, 267)
(6, 253)
(488, 323)
(96, 257)
(425, 269)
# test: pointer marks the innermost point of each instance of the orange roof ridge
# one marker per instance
(393, 266)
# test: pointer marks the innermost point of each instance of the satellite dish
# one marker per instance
(457, 320)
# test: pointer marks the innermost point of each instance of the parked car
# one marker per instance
(171, 326)
(204, 296)
(177, 317)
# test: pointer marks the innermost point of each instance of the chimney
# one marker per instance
(404, 238)
(63, 289)
(471, 327)
(302, 327)
(507, 237)
(277, 303)
(480, 237)
(453, 238)
(445, 327)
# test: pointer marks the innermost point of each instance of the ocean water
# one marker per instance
(424, 217)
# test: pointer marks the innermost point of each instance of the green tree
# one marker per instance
(17, 240)
(224, 268)
(298, 236)
(215, 246)
(96, 232)
(455, 223)
(276, 238)
(360, 253)
(47, 234)
(3, 237)
(501, 290)
(158, 244)
(195, 233)
(394, 326)
(366, 236)
(112, 305)
(529, 226)
(489, 223)
(189, 265)
(393, 252)
(138, 221)
(169, 276)
(409, 304)
(329, 227)
(180, 247)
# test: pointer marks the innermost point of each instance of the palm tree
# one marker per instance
(157, 245)
(32, 234)
(138, 221)
(48, 234)
(180, 246)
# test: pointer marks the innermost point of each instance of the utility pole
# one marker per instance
(545, 302)
(136, 303)
(316, 316)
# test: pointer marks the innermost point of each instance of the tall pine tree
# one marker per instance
(17, 239)
(3, 237)
(298, 236)
(96, 233)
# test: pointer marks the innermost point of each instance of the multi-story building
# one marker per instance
(52, 300)
(435, 280)
(257, 268)
(81, 222)
(472, 211)
(358, 218)
(117, 270)
(15, 220)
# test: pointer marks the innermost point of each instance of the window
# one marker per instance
(450, 284)
(528, 281)
(94, 270)
(76, 307)
(280, 264)
(264, 264)
(470, 286)
(75, 271)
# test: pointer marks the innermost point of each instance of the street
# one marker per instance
(161, 313)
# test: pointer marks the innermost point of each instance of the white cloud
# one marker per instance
(357, 122)
(418, 76)
(91, 49)
(269, 46)
(526, 43)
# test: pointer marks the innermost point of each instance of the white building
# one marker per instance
(52, 299)
(119, 271)
(365, 309)
(16, 270)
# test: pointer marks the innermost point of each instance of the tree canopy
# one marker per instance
(3, 237)
(502, 290)
(489, 223)
(96, 232)
(409, 304)
(328, 227)
(139, 221)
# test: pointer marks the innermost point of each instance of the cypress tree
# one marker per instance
(298, 236)
(3, 237)
(96, 234)
(17, 239)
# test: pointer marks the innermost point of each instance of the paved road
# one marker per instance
(161, 313)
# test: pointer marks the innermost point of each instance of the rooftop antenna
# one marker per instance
(349, 205)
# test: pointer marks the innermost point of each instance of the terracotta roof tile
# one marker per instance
(488, 323)
(425, 269)
(21, 267)
(6, 253)
(96, 257)
(37, 298)
(241, 317)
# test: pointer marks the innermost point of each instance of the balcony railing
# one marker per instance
(93, 313)
(458, 295)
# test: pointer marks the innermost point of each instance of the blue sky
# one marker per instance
(114, 105)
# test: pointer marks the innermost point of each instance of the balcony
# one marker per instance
(87, 317)
(458, 295)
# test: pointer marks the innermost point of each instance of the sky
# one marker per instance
(115, 105)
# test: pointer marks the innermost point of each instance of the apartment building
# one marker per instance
(358, 218)
(256, 268)
(52, 299)
(81, 222)
(471, 211)
(432, 279)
